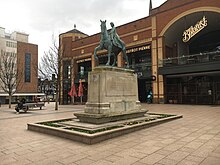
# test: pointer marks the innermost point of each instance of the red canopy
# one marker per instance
(80, 92)
(72, 91)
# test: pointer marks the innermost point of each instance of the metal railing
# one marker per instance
(191, 59)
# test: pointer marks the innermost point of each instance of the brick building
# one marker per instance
(16, 44)
(174, 52)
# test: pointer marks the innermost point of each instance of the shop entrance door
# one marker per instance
(144, 86)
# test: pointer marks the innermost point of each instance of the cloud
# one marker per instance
(42, 18)
(51, 14)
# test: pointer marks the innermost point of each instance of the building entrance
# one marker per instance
(144, 87)
(202, 90)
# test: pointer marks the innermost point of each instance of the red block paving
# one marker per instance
(193, 139)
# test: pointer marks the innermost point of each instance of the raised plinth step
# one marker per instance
(71, 128)
(105, 118)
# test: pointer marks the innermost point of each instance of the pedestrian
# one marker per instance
(210, 96)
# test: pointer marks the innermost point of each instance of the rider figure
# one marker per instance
(115, 37)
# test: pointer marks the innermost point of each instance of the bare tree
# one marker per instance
(9, 78)
(49, 66)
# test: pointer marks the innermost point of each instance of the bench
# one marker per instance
(27, 106)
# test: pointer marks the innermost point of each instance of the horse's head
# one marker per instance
(103, 26)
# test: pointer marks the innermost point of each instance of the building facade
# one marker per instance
(174, 51)
(16, 44)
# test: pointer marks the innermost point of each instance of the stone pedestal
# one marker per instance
(112, 96)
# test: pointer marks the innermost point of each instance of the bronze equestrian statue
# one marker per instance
(112, 43)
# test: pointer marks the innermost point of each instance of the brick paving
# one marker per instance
(191, 140)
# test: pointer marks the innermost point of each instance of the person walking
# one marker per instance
(210, 96)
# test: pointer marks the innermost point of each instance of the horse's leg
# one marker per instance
(109, 55)
(114, 62)
(96, 49)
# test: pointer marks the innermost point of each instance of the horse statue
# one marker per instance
(112, 43)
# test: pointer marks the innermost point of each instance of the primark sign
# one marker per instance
(193, 30)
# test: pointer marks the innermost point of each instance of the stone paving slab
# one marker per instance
(193, 139)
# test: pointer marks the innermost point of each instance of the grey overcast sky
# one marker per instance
(43, 18)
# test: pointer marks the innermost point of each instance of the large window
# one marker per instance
(141, 62)
(27, 67)
(83, 69)
(193, 89)
(66, 69)
(11, 44)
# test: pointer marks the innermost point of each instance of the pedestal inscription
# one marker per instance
(120, 85)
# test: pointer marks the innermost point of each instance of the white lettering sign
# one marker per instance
(192, 31)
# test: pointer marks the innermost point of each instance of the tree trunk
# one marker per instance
(56, 103)
(57, 95)
(10, 100)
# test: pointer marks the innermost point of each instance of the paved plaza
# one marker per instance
(191, 140)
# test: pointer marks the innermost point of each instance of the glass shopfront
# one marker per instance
(201, 89)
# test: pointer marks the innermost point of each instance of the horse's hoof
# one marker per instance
(107, 64)
(113, 64)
